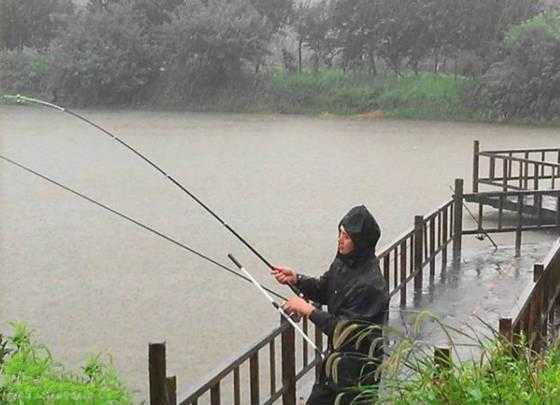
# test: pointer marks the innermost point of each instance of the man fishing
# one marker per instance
(353, 289)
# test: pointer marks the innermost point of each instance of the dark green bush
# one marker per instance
(29, 375)
(105, 57)
(23, 72)
(526, 84)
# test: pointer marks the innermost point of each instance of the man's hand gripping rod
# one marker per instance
(275, 304)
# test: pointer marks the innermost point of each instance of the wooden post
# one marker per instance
(157, 374)
(457, 220)
(519, 225)
(172, 390)
(476, 160)
(254, 378)
(288, 364)
(505, 329)
(538, 269)
(418, 250)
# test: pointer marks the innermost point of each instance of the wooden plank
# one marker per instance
(157, 374)
(476, 162)
(457, 220)
(236, 387)
(418, 242)
(386, 269)
(254, 382)
(395, 268)
(172, 390)
(432, 248)
(445, 240)
(288, 365)
(272, 357)
(403, 273)
(519, 226)
(215, 396)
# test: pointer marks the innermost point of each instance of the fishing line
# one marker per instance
(138, 223)
(23, 99)
(476, 222)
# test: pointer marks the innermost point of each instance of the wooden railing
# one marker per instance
(516, 169)
(405, 259)
(280, 367)
(533, 316)
(523, 203)
(401, 262)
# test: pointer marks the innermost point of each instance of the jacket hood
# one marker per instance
(363, 230)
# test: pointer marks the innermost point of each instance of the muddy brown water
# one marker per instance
(87, 282)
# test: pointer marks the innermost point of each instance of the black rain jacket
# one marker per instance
(353, 288)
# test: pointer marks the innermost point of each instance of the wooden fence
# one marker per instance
(516, 169)
(402, 262)
(533, 315)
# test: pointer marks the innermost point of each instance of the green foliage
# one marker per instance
(526, 84)
(208, 46)
(29, 375)
(105, 56)
(23, 72)
(493, 372)
(32, 23)
(548, 23)
(328, 90)
(408, 96)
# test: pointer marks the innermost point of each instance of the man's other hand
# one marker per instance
(284, 275)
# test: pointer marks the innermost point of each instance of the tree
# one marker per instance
(32, 23)
(207, 43)
(105, 56)
(526, 84)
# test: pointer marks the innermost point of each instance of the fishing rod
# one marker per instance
(138, 223)
(22, 99)
(277, 306)
(476, 222)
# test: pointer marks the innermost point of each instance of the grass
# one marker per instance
(422, 96)
(30, 375)
(499, 373)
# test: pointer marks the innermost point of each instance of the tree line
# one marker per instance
(115, 51)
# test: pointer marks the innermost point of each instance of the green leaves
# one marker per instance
(29, 375)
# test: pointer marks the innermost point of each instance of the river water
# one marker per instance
(86, 281)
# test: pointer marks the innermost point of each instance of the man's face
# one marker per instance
(345, 244)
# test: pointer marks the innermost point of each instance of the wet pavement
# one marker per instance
(485, 287)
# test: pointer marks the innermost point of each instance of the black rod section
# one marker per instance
(21, 99)
(138, 223)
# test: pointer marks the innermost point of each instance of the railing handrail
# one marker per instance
(511, 193)
(529, 150)
(517, 159)
(526, 297)
(231, 364)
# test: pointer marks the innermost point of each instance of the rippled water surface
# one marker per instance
(87, 281)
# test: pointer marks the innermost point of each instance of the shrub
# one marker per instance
(30, 375)
(526, 85)
(23, 72)
(105, 56)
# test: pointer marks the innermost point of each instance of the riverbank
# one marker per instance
(422, 96)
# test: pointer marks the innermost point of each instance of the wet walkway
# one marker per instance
(486, 285)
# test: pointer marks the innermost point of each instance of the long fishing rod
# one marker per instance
(477, 223)
(23, 99)
(277, 306)
(138, 223)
